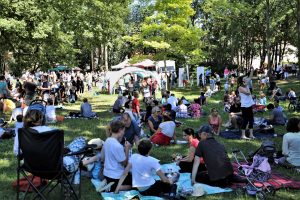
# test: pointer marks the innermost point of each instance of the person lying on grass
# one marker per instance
(165, 131)
(141, 166)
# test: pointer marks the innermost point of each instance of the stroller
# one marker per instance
(256, 174)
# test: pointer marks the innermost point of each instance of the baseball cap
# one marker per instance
(206, 129)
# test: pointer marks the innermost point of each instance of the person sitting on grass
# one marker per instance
(290, 144)
(142, 166)
(154, 120)
(215, 121)
(195, 109)
(132, 130)
(276, 116)
(235, 114)
(202, 99)
(219, 171)
(165, 131)
(86, 109)
(186, 163)
(115, 157)
(181, 110)
(118, 105)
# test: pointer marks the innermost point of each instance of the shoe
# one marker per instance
(101, 185)
(106, 188)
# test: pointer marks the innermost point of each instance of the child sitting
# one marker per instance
(93, 164)
(86, 109)
(19, 124)
(141, 165)
(17, 111)
(50, 112)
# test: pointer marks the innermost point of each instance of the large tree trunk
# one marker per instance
(268, 38)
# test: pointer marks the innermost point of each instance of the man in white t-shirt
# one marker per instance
(173, 101)
(115, 157)
(142, 166)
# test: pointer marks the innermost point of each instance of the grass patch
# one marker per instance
(96, 128)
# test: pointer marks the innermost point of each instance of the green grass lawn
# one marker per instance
(96, 128)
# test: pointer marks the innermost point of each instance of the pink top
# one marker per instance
(214, 122)
(226, 71)
(195, 110)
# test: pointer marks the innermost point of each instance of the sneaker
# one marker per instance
(106, 188)
(101, 185)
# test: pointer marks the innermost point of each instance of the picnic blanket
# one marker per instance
(277, 180)
(236, 134)
(184, 184)
(77, 115)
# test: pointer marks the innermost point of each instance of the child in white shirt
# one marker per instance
(142, 165)
(50, 112)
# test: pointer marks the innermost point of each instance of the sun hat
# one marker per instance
(198, 190)
(96, 141)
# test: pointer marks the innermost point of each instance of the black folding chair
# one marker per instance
(42, 155)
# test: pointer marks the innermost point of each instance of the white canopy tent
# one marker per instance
(145, 64)
(121, 65)
(170, 65)
(114, 76)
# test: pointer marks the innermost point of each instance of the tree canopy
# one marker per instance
(100, 33)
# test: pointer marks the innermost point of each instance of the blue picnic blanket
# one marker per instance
(184, 184)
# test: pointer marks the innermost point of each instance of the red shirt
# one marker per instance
(135, 105)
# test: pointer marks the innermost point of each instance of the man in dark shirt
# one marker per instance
(219, 169)
(45, 88)
(235, 113)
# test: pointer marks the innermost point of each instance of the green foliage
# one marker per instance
(168, 31)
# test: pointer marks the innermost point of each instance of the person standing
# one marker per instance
(246, 107)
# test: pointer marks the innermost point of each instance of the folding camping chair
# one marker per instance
(42, 156)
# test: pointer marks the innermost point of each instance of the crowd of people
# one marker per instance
(119, 168)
